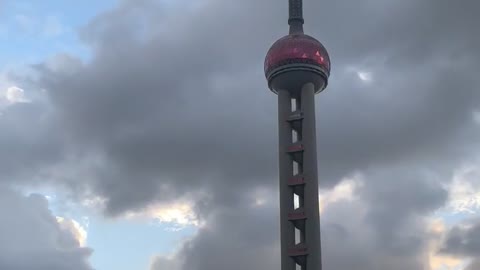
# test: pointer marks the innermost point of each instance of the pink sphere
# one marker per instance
(297, 49)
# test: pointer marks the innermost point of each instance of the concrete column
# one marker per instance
(310, 171)
(287, 229)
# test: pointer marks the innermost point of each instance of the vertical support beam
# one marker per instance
(310, 171)
(287, 229)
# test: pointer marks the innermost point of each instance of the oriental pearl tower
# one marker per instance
(297, 67)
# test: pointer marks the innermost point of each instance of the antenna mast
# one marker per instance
(295, 19)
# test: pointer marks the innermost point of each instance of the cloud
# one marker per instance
(463, 240)
(345, 190)
(240, 237)
(15, 95)
(170, 108)
(157, 123)
(474, 265)
(179, 214)
(79, 232)
(465, 190)
(365, 76)
(437, 230)
(160, 263)
(28, 229)
(246, 235)
(476, 117)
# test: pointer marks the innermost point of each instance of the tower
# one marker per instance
(297, 67)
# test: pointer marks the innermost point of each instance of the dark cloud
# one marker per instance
(247, 236)
(398, 202)
(350, 241)
(27, 141)
(184, 105)
(31, 237)
(161, 119)
(463, 241)
(237, 237)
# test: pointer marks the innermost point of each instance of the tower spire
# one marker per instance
(295, 19)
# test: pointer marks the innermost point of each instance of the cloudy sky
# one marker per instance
(140, 134)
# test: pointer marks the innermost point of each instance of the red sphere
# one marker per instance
(297, 49)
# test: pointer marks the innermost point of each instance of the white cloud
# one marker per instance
(74, 227)
(94, 202)
(465, 190)
(476, 117)
(260, 201)
(180, 214)
(262, 197)
(15, 95)
(343, 191)
(365, 76)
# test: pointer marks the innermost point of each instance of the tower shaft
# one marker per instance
(299, 206)
(297, 67)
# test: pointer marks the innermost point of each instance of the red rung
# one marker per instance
(296, 181)
(296, 215)
(295, 148)
(298, 251)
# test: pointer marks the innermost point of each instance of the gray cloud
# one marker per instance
(32, 239)
(349, 240)
(28, 142)
(184, 106)
(165, 263)
(397, 207)
(463, 240)
(352, 236)
(474, 265)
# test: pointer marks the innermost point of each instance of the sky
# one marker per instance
(141, 134)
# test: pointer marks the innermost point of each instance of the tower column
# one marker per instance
(310, 172)
(285, 172)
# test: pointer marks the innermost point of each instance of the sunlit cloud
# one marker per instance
(343, 191)
(363, 75)
(436, 261)
(179, 214)
(15, 94)
(94, 202)
(260, 201)
(262, 197)
(74, 227)
(465, 191)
